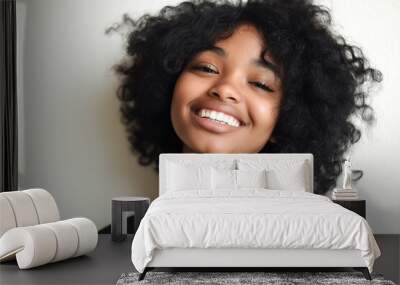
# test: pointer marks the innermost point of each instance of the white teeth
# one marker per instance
(219, 117)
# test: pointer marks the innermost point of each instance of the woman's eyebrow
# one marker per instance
(267, 65)
(217, 50)
(264, 63)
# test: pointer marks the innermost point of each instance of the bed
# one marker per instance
(247, 211)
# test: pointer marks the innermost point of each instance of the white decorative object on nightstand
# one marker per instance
(347, 174)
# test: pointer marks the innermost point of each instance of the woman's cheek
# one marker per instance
(262, 109)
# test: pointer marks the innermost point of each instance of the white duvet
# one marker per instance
(250, 218)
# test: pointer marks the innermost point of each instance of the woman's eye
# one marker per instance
(262, 86)
(205, 68)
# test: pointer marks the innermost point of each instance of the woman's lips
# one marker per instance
(211, 125)
(218, 107)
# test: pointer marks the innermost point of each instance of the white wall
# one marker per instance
(375, 27)
(73, 144)
(71, 140)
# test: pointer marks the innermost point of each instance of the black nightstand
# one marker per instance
(357, 206)
(122, 209)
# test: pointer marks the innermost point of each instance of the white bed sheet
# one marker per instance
(250, 218)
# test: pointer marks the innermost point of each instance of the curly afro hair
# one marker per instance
(324, 79)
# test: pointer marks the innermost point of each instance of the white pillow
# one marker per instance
(224, 179)
(251, 178)
(282, 174)
(188, 177)
(291, 179)
(236, 179)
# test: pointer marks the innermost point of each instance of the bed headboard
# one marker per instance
(211, 158)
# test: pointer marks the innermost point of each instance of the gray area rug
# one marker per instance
(269, 278)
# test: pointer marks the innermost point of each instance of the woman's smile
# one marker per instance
(212, 121)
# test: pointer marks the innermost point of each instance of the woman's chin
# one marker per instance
(207, 148)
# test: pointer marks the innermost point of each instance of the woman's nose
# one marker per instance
(225, 91)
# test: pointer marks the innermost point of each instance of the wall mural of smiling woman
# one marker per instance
(244, 77)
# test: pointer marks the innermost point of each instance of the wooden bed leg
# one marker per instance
(143, 274)
(364, 271)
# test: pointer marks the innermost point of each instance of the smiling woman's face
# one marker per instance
(227, 99)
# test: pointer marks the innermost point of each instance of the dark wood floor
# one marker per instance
(106, 264)
(389, 262)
